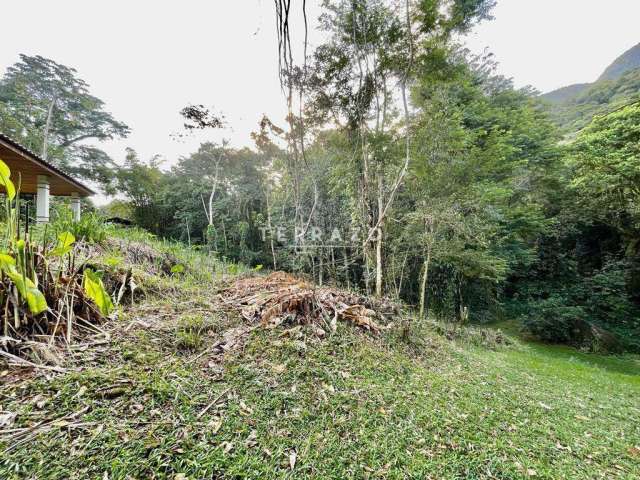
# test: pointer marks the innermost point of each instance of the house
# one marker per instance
(33, 175)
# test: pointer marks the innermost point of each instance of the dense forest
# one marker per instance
(406, 168)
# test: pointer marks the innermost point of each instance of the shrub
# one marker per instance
(90, 228)
(553, 320)
(593, 312)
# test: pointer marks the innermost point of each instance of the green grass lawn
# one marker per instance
(157, 403)
(347, 407)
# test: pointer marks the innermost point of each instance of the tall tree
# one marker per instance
(47, 107)
(375, 48)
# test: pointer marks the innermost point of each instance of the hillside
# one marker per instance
(565, 94)
(184, 385)
(572, 107)
(629, 60)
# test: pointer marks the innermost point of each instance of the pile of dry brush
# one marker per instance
(281, 298)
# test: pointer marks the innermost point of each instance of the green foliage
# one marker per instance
(178, 268)
(605, 159)
(5, 174)
(27, 289)
(16, 262)
(94, 288)
(91, 227)
(554, 319)
(65, 244)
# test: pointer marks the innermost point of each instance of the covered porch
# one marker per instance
(33, 175)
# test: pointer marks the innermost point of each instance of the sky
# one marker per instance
(147, 59)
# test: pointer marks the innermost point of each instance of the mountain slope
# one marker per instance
(565, 94)
(572, 107)
(601, 97)
(629, 60)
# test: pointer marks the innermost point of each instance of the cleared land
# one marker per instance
(185, 388)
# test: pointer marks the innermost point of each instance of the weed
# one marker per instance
(491, 338)
(188, 340)
(191, 330)
(90, 228)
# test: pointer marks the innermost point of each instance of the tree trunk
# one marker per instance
(47, 126)
(379, 263)
(224, 236)
(423, 285)
(346, 267)
(273, 250)
(404, 263)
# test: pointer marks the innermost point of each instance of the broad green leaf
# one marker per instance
(5, 180)
(6, 261)
(95, 290)
(65, 243)
(5, 171)
(27, 289)
(178, 268)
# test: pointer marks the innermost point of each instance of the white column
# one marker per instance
(75, 206)
(42, 200)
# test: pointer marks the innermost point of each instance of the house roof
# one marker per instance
(23, 161)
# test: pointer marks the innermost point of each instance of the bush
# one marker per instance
(592, 311)
(90, 228)
(554, 321)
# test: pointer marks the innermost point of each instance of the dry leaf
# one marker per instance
(531, 472)
(226, 446)
(251, 439)
(7, 419)
(279, 368)
(215, 425)
(245, 409)
(293, 456)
